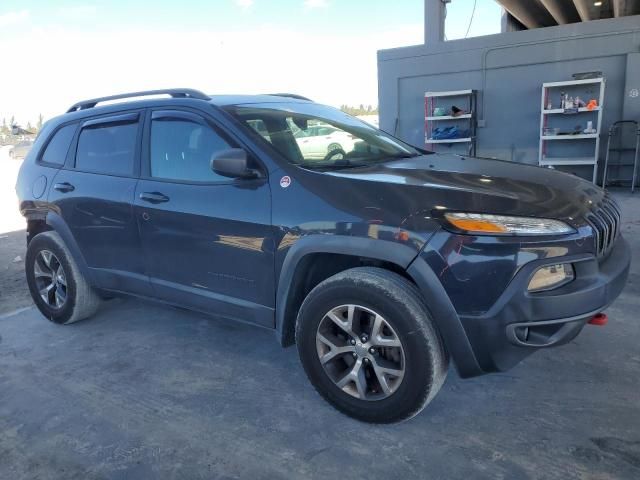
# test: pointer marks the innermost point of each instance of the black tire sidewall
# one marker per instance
(47, 242)
(419, 367)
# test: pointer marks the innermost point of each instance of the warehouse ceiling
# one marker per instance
(547, 13)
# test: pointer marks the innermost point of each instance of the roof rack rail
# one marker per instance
(290, 95)
(173, 92)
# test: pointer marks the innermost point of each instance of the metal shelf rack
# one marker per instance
(550, 88)
(466, 99)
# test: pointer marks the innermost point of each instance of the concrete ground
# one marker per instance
(145, 391)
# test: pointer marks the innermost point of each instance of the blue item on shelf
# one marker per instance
(448, 133)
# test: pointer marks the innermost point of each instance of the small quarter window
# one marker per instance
(58, 147)
(107, 148)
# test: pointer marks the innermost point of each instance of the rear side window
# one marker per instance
(107, 148)
(56, 151)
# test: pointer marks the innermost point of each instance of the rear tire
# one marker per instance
(405, 346)
(57, 286)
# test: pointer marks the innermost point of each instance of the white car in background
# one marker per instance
(20, 149)
(317, 141)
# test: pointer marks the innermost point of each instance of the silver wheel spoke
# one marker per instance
(44, 292)
(46, 258)
(346, 325)
(59, 298)
(334, 350)
(62, 279)
(382, 380)
(41, 272)
(377, 337)
(382, 374)
(356, 376)
(361, 382)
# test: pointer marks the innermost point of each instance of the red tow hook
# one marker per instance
(599, 319)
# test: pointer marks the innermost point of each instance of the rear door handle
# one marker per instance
(64, 187)
(153, 197)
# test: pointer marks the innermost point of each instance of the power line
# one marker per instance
(473, 12)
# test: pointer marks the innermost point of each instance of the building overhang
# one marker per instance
(547, 13)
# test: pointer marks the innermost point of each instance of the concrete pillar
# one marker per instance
(509, 23)
(434, 13)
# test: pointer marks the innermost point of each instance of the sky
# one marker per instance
(58, 52)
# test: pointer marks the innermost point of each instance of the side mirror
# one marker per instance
(232, 163)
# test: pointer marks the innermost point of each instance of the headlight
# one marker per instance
(501, 224)
(551, 276)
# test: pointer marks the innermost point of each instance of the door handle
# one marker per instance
(153, 197)
(64, 187)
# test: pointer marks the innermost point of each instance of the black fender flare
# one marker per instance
(446, 318)
(405, 257)
(57, 223)
(396, 253)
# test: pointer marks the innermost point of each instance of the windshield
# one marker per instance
(317, 136)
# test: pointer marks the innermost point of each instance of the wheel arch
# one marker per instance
(404, 260)
(307, 264)
(54, 222)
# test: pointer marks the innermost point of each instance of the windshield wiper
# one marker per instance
(404, 155)
(367, 162)
(388, 158)
(331, 166)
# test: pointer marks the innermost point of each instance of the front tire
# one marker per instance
(369, 347)
(57, 286)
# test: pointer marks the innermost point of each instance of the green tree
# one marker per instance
(40, 122)
(362, 110)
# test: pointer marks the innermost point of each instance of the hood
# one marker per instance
(489, 186)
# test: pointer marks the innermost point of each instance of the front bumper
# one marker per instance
(521, 322)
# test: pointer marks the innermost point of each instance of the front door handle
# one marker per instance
(65, 187)
(153, 197)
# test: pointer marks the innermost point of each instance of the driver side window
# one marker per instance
(182, 149)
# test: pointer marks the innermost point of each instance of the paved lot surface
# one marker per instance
(145, 391)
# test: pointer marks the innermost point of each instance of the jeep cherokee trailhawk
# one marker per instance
(379, 260)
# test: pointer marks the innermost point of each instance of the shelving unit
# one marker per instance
(451, 140)
(580, 136)
(553, 90)
(463, 99)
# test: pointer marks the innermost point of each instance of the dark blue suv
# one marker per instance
(378, 259)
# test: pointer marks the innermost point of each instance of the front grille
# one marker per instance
(605, 221)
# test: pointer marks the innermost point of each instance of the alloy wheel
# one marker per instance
(51, 280)
(360, 352)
